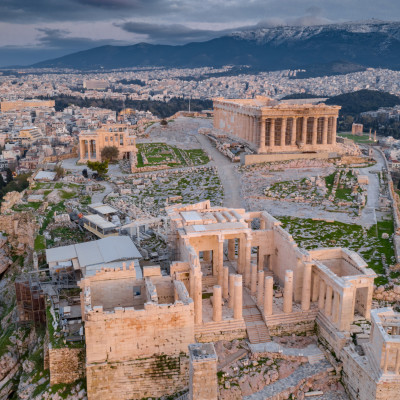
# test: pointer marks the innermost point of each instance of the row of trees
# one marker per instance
(162, 109)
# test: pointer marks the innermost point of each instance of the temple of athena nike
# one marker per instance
(269, 126)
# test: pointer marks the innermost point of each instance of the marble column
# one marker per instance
(241, 256)
(247, 264)
(335, 306)
(325, 131)
(306, 292)
(321, 295)
(238, 294)
(272, 133)
(262, 136)
(231, 290)
(294, 131)
(283, 131)
(328, 301)
(217, 303)
(225, 282)
(315, 288)
(268, 295)
(253, 279)
(198, 299)
(191, 284)
(231, 249)
(220, 262)
(334, 128)
(255, 140)
(260, 288)
(81, 149)
(397, 366)
(386, 359)
(304, 130)
(315, 130)
(288, 292)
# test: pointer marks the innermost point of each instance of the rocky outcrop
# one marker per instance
(21, 229)
(5, 260)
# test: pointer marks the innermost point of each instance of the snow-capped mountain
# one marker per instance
(361, 44)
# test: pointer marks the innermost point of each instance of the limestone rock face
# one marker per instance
(5, 260)
(21, 230)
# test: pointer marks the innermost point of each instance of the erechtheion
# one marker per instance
(91, 143)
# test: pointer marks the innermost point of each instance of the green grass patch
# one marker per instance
(310, 234)
(40, 243)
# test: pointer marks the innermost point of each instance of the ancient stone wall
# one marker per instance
(128, 334)
(249, 159)
(66, 365)
(136, 379)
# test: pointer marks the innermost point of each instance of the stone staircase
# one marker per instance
(284, 387)
(256, 329)
(292, 318)
(223, 326)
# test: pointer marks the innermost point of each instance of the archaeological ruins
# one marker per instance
(269, 126)
(91, 143)
(236, 275)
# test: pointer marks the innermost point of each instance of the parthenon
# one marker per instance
(269, 126)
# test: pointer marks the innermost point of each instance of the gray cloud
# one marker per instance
(60, 39)
(174, 33)
(178, 33)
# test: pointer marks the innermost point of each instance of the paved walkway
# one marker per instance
(304, 372)
(228, 175)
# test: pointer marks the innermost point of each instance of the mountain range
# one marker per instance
(347, 46)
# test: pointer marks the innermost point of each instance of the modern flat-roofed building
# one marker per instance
(269, 126)
(90, 257)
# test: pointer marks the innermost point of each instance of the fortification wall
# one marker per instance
(137, 379)
(66, 365)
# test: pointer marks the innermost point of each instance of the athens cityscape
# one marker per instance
(199, 201)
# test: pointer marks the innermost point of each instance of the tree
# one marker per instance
(84, 173)
(100, 167)
(9, 175)
(59, 170)
(2, 183)
(163, 122)
(109, 153)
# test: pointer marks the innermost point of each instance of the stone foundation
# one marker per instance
(142, 378)
(66, 365)
(249, 159)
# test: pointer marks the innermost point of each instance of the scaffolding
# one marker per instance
(30, 303)
(32, 289)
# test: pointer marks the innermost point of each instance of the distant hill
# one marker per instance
(335, 48)
(363, 100)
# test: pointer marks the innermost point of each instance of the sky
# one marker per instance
(35, 30)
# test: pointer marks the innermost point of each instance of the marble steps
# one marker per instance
(301, 316)
(223, 326)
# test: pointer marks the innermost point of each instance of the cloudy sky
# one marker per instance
(34, 30)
